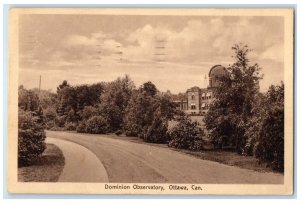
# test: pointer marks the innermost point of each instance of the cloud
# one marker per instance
(78, 40)
(274, 52)
(187, 52)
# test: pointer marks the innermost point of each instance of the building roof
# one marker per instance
(193, 89)
(217, 70)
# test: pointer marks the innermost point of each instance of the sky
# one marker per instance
(174, 52)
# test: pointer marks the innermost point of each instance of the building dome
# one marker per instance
(216, 72)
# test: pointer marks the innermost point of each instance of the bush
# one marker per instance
(89, 111)
(70, 126)
(97, 125)
(132, 130)
(60, 121)
(118, 132)
(81, 128)
(49, 114)
(31, 138)
(186, 135)
(49, 125)
(157, 131)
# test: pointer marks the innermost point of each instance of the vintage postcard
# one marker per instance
(150, 101)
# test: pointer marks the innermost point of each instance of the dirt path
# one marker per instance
(131, 162)
(81, 165)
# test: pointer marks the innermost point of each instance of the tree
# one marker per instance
(114, 101)
(29, 101)
(166, 106)
(67, 104)
(229, 113)
(139, 113)
(265, 131)
(62, 86)
(147, 114)
(88, 95)
(89, 111)
(149, 88)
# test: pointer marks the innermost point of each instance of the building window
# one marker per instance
(193, 106)
(203, 96)
(193, 96)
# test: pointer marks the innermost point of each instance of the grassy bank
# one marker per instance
(46, 168)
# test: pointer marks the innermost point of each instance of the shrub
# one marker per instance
(132, 130)
(118, 132)
(49, 114)
(81, 128)
(60, 121)
(157, 131)
(49, 125)
(186, 135)
(31, 138)
(97, 125)
(89, 111)
(70, 126)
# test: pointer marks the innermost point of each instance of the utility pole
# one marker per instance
(40, 83)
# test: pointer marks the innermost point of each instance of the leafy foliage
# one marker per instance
(81, 127)
(72, 100)
(229, 113)
(31, 134)
(266, 129)
(31, 138)
(147, 114)
(149, 88)
(139, 114)
(89, 111)
(186, 134)
(114, 101)
(157, 131)
(96, 125)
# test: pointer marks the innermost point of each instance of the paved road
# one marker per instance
(127, 161)
(81, 165)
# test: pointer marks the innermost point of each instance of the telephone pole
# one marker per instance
(40, 83)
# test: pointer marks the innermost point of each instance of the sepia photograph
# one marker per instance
(150, 101)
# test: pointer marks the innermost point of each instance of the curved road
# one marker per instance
(81, 165)
(130, 162)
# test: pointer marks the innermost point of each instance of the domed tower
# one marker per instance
(214, 74)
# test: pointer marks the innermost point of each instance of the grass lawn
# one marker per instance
(47, 168)
(230, 158)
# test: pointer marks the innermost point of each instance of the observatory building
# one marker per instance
(197, 100)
